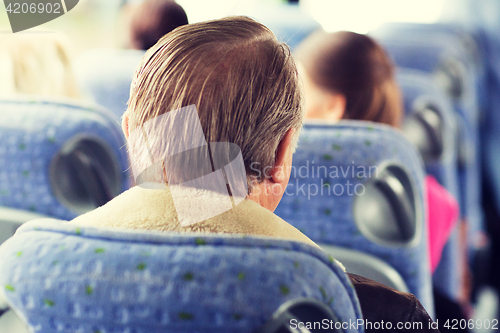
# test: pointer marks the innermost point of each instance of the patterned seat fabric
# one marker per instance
(439, 49)
(331, 167)
(470, 43)
(289, 22)
(59, 277)
(482, 16)
(37, 135)
(419, 89)
(442, 51)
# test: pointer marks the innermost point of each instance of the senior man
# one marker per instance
(244, 86)
(228, 82)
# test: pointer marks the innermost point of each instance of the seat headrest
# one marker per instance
(338, 171)
(105, 75)
(59, 158)
(358, 173)
(430, 120)
(440, 56)
(59, 275)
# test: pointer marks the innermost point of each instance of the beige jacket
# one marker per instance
(153, 209)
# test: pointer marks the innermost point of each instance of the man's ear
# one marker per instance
(335, 106)
(283, 154)
(125, 127)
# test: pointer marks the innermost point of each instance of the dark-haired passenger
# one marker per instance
(152, 19)
(349, 76)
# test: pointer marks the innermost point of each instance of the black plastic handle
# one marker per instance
(399, 200)
(91, 175)
(424, 128)
(302, 310)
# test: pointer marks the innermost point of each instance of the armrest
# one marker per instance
(368, 266)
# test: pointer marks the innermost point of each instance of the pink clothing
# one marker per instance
(443, 213)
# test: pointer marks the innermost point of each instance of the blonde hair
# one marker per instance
(36, 63)
(241, 79)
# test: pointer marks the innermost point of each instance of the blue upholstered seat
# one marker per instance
(59, 158)
(470, 43)
(337, 176)
(453, 61)
(289, 22)
(419, 92)
(440, 50)
(481, 16)
(60, 277)
(105, 75)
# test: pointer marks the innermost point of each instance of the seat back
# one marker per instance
(105, 75)
(469, 41)
(59, 158)
(481, 15)
(431, 125)
(420, 93)
(440, 51)
(58, 276)
(358, 185)
(367, 265)
(289, 22)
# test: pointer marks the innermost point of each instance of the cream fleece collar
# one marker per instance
(153, 209)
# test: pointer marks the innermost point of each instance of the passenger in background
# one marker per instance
(244, 85)
(349, 76)
(36, 64)
(105, 75)
(152, 20)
